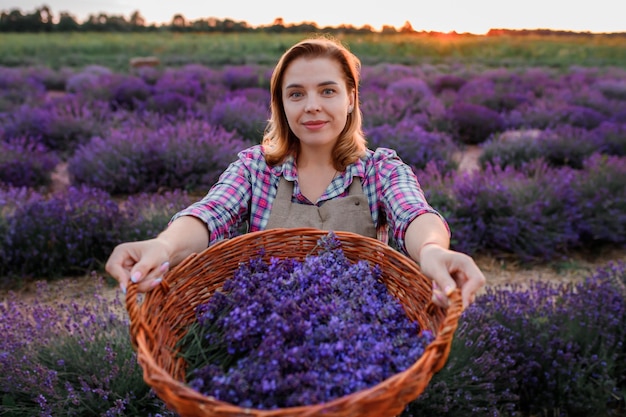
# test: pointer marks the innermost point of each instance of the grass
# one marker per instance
(114, 50)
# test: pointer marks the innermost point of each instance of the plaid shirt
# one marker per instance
(247, 188)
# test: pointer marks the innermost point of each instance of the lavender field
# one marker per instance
(549, 179)
(137, 145)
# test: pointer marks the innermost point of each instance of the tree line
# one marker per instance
(43, 20)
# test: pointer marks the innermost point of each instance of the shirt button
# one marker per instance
(356, 203)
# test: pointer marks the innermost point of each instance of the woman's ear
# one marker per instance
(352, 101)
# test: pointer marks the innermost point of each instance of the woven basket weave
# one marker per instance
(159, 320)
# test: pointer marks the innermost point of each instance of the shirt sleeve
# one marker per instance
(400, 194)
(225, 207)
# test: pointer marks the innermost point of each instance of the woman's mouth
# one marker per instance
(314, 124)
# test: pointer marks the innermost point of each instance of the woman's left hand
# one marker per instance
(448, 270)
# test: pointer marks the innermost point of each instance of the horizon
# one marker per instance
(444, 16)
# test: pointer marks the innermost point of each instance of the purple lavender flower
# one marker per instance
(416, 146)
(474, 123)
(26, 163)
(285, 333)
(62, 357)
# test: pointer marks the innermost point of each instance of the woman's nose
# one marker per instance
(312, 105)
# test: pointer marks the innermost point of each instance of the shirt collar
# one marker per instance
(288, 168)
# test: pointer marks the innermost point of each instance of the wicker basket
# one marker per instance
(159, 320)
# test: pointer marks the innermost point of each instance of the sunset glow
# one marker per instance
(476, 17)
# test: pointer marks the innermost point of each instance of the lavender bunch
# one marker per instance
(145, 214)
(480, 377)
(472, 124)
(537, 349)
(17, 88)
(505, 211)
(569, 340)
(380, 107)
(244, 76)
(64, 234)
(287, 333)
(26, 163)
(61, 124)
(612, 137)
(416, 146)
(60, 357)
(237, 113)
(186, 154)
(564, 145)
(601, 198)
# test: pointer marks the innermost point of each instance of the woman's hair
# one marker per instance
(279, 141)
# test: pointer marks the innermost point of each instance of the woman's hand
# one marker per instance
(143, 263)
(146, 262)
(448, 270)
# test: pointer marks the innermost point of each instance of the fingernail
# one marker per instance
(440, 296)
(165, 266)
(123, 288)
(156, 282)
(449, 289)
(135, 276)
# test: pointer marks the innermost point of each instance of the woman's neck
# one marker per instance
(315, 159)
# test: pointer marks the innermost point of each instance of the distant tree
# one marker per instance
(179, 22)
(95, 23)
(200, 25)
(137, 20)
(105, 23)
(13, 21)
(45, 18)
(346, 28)
(228, 25)
(67, 23)
(389, 29)
(407, 28)
(117, 23)
(306, 27)
(212, 22)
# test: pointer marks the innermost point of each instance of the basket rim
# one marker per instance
(433, 358)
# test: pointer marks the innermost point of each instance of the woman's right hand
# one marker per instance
(143, 263)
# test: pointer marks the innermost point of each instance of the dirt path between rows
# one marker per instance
(497, 272)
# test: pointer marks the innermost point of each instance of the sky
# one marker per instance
(462, 16)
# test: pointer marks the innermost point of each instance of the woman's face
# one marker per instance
(316, 101)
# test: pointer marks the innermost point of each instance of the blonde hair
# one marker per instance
(279, 141)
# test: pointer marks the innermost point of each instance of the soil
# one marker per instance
(497, 271)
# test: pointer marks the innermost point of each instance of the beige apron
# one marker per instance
(349, 214)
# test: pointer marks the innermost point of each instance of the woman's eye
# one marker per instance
(295, 94)
(329, 91)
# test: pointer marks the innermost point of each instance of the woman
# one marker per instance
(313, 169)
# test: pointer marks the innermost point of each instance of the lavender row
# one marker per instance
(470, 103)
(153, 152)
(72, 232)
(537, 349)
(537, 213)
(424, 112)
(540, 349)
(60, 357)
